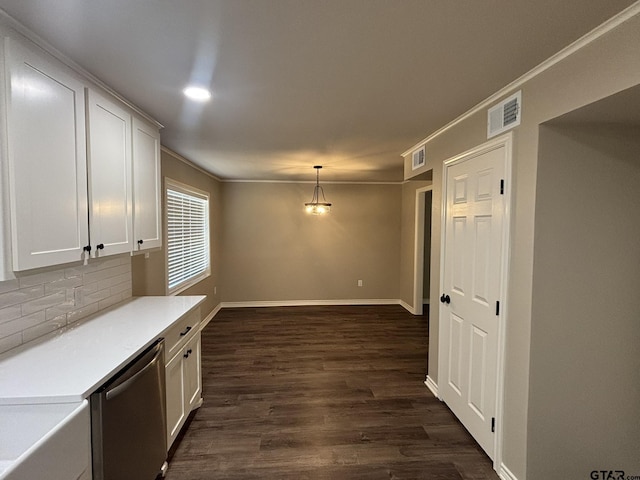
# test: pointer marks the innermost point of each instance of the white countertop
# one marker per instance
(67, 366)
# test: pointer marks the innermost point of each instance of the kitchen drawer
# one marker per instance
(181, 331)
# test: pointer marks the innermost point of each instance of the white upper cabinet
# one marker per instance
(69, 156)
(109, 165)
(46, 157)
(147, 232)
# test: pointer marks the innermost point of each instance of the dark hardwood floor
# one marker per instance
(321, 393)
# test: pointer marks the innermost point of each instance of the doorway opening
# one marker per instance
(422, 256)
(583, 381)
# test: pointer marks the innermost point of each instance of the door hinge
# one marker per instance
(502, 187)
(493, 424)
(498, 308)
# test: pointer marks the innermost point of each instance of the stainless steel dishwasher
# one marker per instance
(128, 420)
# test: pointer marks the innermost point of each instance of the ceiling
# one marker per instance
(348, 84)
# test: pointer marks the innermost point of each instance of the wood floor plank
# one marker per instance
(321, 393)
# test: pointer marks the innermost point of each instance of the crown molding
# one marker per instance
(188, 162)
(323, 182)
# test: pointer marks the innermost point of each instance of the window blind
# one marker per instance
(187, 236)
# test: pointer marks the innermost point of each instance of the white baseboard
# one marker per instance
(212, 314)
(311, 303)
(198, 404)
(407, 307)
(505, 474)
(433, 386)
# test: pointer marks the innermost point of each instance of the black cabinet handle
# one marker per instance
(445, 299)
(186, 330)
(140, 242)
(100, 246)
(442, 298)
(87, 248)
(189, 352)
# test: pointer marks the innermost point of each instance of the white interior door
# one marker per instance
(472, 259)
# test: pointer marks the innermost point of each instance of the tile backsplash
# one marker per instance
(39, 303)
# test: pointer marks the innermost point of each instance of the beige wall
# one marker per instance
(274, 251)
(150, 274)
(585, 364)
(606, 66)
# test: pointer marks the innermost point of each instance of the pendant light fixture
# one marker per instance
(315, 206)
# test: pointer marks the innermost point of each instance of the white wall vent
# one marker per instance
(504, 115)
(418, 158)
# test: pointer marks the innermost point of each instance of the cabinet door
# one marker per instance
(45, 109)
(176, 411)
(146, 186)
(109, 162)
(192, 373)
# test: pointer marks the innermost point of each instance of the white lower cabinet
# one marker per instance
(175, 397)
(184, 385)
(192, 373)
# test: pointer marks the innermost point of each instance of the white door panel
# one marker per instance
(455, 354)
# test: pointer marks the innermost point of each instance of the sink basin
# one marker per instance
(49, 441)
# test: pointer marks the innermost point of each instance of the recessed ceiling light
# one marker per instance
(197, 93)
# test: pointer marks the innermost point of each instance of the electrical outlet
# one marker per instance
(359, 283)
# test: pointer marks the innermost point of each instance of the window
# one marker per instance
(187, 214)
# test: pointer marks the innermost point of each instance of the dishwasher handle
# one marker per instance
(145, 362)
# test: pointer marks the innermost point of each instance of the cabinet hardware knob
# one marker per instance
(87, 248)
(140, 242)
(189, 352)
(182, 334)
(100, 246)
(445, 299)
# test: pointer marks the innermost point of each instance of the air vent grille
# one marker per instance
(504, 115)
(418, 158)
(510, 112)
